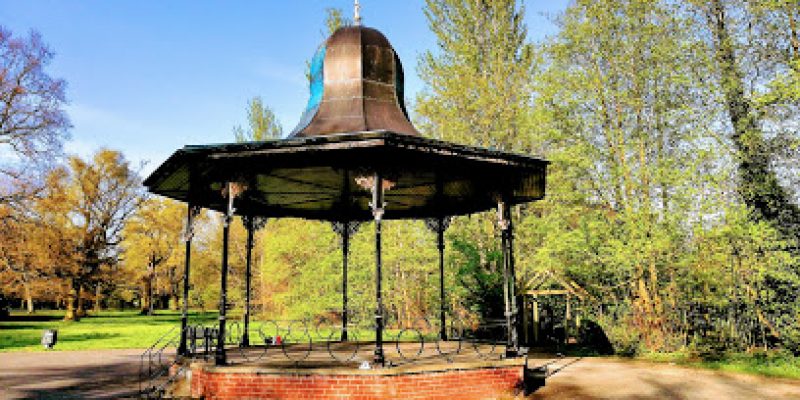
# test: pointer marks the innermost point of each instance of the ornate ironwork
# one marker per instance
(295, 340)
(188, 227)
(258, 222)
(351, 227)
(439, 224)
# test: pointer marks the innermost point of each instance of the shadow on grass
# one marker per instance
(23, 327)
(31, 318)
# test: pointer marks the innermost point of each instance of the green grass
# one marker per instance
(129, 330)
(106, 330)
(778, 364)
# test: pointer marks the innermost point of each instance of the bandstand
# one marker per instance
(354, 157)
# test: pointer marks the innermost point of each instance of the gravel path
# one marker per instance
(113, 374)
(603, 378)
(93, 374)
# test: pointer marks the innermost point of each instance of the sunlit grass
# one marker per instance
(778, 364)
(106, 330)
(129, 330)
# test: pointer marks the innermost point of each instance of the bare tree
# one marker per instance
(33, 123)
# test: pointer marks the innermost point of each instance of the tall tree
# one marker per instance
(262, 124)
(153, 249)
(747, 46)
(33, 123)
(478, 81)
(32, 118)
(90, 203)
(619, 116)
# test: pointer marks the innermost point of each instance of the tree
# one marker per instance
(32, 119)
(153, 249)
(639, 209)
(478, 84)
(335, 19)
(23, 258)
(262, 123)
(748, 39)
(86, 207)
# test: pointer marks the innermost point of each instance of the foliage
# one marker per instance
(773, 363)
(153, 251)
(33, 123)
(740, 56)
(478, 82)
(32, 118)
(262, 124)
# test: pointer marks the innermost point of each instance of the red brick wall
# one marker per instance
(483, 383)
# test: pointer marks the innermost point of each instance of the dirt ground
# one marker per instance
(112, 374)
(604, 378)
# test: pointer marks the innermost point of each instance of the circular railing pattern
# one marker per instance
(298, 338)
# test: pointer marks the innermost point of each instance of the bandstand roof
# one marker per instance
(316, 177)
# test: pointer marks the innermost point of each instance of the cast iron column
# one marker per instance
(220, 358)
(377, 212)
(249, 225)
(345, 250)
(512, 287)
(440, 237)
(183, 349)
(504, 221)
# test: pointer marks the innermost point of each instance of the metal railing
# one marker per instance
(295, 341)
(317, 341)
(155, 364)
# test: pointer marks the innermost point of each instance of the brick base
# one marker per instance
(501, 382)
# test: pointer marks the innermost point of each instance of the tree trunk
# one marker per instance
(147, 296)
(80, 310)
(759, 186)
(28, 296)
(174, 302)
(72, 300)
(98, 296)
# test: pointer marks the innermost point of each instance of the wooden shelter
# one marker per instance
(541, 322)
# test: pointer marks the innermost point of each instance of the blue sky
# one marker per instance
(147, 77)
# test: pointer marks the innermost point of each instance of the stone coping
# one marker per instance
(408, 369)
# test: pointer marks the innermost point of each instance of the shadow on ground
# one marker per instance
(74, 375)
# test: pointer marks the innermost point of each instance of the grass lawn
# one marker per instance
(106, 330)
(771, 363)
(129, 330)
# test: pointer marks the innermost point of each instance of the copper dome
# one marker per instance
(356, 86)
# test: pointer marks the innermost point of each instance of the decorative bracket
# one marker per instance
(348, 228)
(503, 212)
(438, 224)
(257, 222)
(231, 191)
(378, 203)
(188, 229)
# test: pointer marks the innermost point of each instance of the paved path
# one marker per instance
(604, 378)
(98, 374)
(113, 374)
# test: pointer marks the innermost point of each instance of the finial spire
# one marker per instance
(357, 13)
